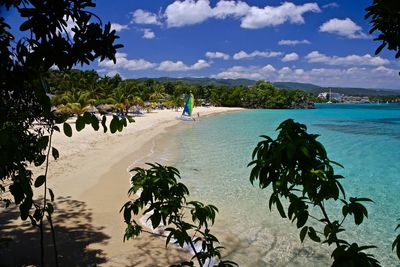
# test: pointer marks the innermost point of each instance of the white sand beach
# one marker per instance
(90, 181)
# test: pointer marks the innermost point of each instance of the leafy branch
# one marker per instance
(297, 169)
(163, 199)
(396, 243)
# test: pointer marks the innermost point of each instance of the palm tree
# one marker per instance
(73, 101)
(121, 99)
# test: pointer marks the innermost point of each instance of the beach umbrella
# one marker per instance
(104, 109)
(93, 109)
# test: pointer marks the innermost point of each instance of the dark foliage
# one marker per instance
(384, 17)
(297, 169)
(26, 121)
(182, 222)
(125, 93)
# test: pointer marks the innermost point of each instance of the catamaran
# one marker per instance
(187, 110)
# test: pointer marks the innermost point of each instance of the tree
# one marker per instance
(164, 200)
(384, 17)
(24, 65)
(73, 101)
(297, 168)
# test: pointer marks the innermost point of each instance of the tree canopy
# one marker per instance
(27, 121)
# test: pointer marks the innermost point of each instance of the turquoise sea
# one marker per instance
(365, 138)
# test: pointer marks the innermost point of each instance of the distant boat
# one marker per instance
(330, 97)
(188, 109)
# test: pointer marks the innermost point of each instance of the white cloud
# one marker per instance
(148, 34)
(366, 60)
(118, 27)
(239, 72)
(200, 64)
(299, 71)
(169, 65)
(293, 42)
(187, 12)
(331, 5)
(387, 71)
(190, 12)
(144, 17)
(123, 63)
(258, 18)
(242, 54)
(268, 68)
(224, 9)
(217, 55)
(343, 27)
(290, 57)
(346, 77)
(68, 29)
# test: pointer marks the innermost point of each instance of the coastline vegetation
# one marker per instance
(75, 91)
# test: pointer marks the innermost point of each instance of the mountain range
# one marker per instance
(283, 85)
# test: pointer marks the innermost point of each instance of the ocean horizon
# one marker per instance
(213, 153)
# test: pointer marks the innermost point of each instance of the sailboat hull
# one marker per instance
(185, 118)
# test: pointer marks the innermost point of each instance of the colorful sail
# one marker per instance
(187, 110)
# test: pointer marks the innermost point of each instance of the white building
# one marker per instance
(331, 96)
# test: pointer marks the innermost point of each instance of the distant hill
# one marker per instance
(362, 91)
(308, 87)
(341, 90)
(298, 86)
(205, 81)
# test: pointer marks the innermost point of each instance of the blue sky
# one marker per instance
(325, 42)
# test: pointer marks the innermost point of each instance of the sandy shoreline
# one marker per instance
(91, 181)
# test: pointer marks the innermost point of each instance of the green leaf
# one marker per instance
(379, 49)
(95, 122)
(130, 119)
(103, 123)
(127, 213)
(25, 207)
(280, 208)
(55, 153)
(121, 124)
(40, 180)
(302, 218)
(313, 235)
(25, 26)
(67, 129)
(80, 123)
(39, 160)
(50, 208)
(114, 125)
(155, 219)
(362, 199)
(303, 233)
(43, 141)
(87, 117)
(51, 194)
(396, 244)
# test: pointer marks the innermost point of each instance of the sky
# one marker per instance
(325, 43)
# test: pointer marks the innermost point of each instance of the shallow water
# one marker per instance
(214, 152)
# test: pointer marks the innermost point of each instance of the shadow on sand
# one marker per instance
(74, 233)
